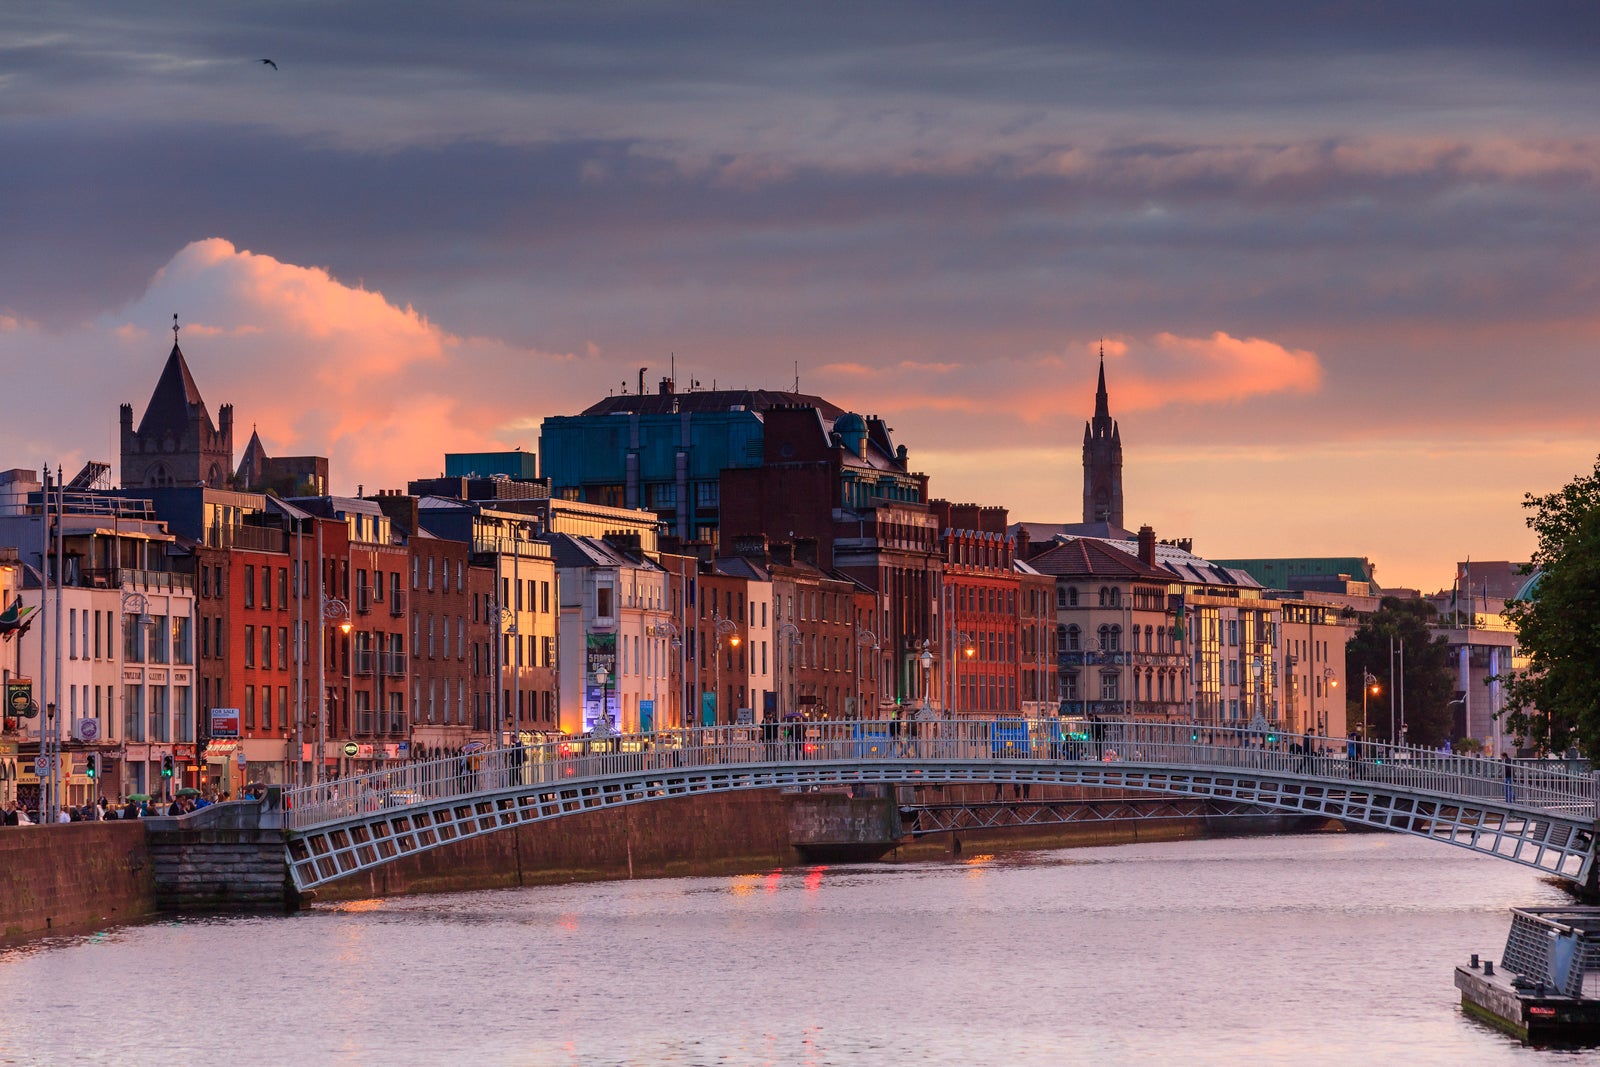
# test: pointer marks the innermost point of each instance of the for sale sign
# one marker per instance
(224, 722)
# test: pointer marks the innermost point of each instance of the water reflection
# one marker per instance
(1318, 950)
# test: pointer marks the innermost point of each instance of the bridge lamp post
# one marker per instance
(788, 641)
(334, 612)
(602, 721)
(1369, 684)
(507, 721)
(864, 638)
(1330, 684)
(726, 630)
(926, 660)
(968, 650)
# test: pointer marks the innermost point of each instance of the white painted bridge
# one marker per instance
(1541, 815)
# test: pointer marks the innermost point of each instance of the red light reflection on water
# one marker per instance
(773, 879)
(814, 878)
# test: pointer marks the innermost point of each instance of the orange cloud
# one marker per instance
(315, 365)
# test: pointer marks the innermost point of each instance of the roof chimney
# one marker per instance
(1147, 546)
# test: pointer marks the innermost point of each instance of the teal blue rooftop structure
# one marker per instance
(516, 464)
(663, 451)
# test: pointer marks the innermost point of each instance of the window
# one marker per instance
(249, 587)
(72, 633)
(249, 707)
(182, 642)
(266, 707)
(183, 699)
(1109, 688)
(266, 647)
(1069, 687)
(249, 646)
(602, 602)
(266, 587)
(283, 647)
(283, 588)
(133, 712)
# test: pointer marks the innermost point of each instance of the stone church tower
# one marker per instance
(1102, 461)
(176, 442)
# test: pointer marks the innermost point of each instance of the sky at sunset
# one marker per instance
(1342, 257)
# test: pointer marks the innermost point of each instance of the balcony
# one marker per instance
(397, 603)
(392, 664)
(364, 662)
(382, 724)
(253, 538)
(363, 599)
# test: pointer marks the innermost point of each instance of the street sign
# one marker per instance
(86, 729)
(351, 748)
(41, 765)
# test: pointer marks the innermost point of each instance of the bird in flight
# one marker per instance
(270, 63)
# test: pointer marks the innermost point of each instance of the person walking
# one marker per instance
(1505, 760)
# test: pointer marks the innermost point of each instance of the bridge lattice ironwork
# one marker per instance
(1540, 816)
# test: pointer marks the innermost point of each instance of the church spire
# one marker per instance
(1102, 459)
(1102, 405)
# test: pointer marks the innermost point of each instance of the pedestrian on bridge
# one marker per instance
(1505, 760)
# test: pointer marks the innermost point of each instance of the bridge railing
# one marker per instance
(1182, 746)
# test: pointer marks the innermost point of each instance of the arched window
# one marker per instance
(1061, 596)
(1105, 596)
(1161, 639)
(1071, 639)
(1116, 639)
(1116, 597)
(1072, 596)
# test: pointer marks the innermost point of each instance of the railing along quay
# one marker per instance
(1185, 748)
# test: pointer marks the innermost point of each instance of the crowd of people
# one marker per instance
(124, 807)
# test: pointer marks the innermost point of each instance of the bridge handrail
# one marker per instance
(1180, 745)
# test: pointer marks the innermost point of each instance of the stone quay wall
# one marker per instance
(73, 877)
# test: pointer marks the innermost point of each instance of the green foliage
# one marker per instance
(1427, 681)
(1557, 696)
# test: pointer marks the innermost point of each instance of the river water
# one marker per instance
(1321, 949)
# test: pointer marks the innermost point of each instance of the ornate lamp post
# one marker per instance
(789, 639)
(968, 649)
(1369, 684)
(725, 629)
(925, 712)
(663, 629)
(334, 612)
(602, 721)
(864, 637)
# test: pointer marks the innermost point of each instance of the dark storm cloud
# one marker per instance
(1404, 194)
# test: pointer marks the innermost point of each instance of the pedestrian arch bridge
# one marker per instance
(1542, 816)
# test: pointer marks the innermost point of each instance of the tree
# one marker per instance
(1426, 681)
(1556, 697)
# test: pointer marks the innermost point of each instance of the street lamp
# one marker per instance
(724, 629)
(926, 660)
(789, 638)
(602, 721)
(337, 613)
(662, 629)
(968, 650)
(864, 637)
(1330, 683)
(505, 620)
(1369, 684)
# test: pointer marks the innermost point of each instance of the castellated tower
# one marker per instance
(176, 442)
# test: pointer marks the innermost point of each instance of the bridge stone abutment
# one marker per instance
(224, 858)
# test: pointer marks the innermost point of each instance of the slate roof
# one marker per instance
(709, 400)
(168, 410)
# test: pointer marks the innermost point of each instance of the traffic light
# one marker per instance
(166, 766)
(93, 770)
(1272, 739)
